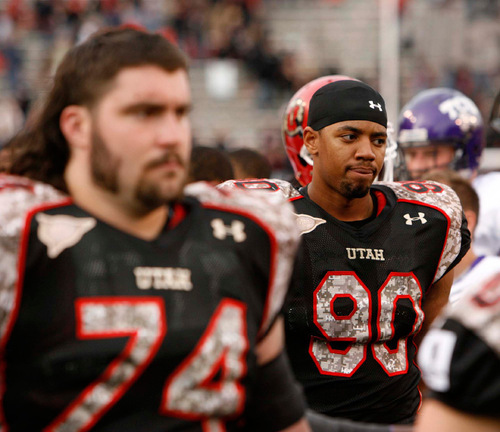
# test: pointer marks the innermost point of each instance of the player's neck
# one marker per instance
(114, 209)
(340, 207)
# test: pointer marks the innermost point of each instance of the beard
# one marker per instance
(353, 190)
(147, 193)
(154, 194)
(104, 166)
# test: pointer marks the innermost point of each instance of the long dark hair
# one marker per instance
(40, 151)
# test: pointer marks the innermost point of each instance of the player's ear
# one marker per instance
(311, 138)
(75, 124)
(471, 220)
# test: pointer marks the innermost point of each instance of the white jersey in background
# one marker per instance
(480, 270)
(487, 234)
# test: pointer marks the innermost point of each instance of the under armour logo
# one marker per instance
(410, 220)
(373, 105)
(221, 231)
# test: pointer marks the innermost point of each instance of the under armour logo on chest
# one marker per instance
(236, 230)
(410, 219)
(374, 105)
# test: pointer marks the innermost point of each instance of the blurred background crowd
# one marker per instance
(248, 57)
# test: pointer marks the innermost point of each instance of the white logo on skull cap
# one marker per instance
(374, 105)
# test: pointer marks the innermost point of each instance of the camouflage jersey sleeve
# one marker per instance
(18, 198)
(275, 217)
(445, 200)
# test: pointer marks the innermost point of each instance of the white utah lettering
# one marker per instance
(365, 253)
(167, 278)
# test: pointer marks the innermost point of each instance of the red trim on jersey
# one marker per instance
(328, 338)
(207, 426)
(12, 182)
(274, 253)
(394, 303)
(18, 290)
(381, 201)
(295, 198)
(179, 213)
(440, 210)
(424, 186)
(335, 351)
(260, 184)
(132, 332)
(218, 365)
(343, 317)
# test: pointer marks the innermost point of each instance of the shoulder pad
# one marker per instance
(428, 193)
(442, 198)
(18, 196)
(277, 218)
(275, 187)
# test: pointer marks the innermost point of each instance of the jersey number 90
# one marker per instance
(355, 327)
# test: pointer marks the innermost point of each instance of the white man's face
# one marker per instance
(141, 136)
(420, 160)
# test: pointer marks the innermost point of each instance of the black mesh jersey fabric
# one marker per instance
(111, 332)
(357, 301)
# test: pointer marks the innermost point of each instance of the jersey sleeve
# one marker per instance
(17, 197)
(445, 200)
(460, 356)
(275, 217)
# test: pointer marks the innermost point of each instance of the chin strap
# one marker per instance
(391, 156)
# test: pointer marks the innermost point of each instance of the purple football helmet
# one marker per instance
(443, 116)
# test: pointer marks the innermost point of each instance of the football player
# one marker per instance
(126, 303)
(377, 260)
(292, 134)
(460, 360)
(441, 128)
(472, 268)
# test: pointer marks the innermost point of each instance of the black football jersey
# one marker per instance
(357, 299)
(460, 355)
(103, 331)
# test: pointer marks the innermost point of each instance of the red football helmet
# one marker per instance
(295, 122)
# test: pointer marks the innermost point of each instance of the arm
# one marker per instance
(436, 416)
(437, 298)
(280, 400)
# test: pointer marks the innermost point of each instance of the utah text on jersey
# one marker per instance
(163, 278)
